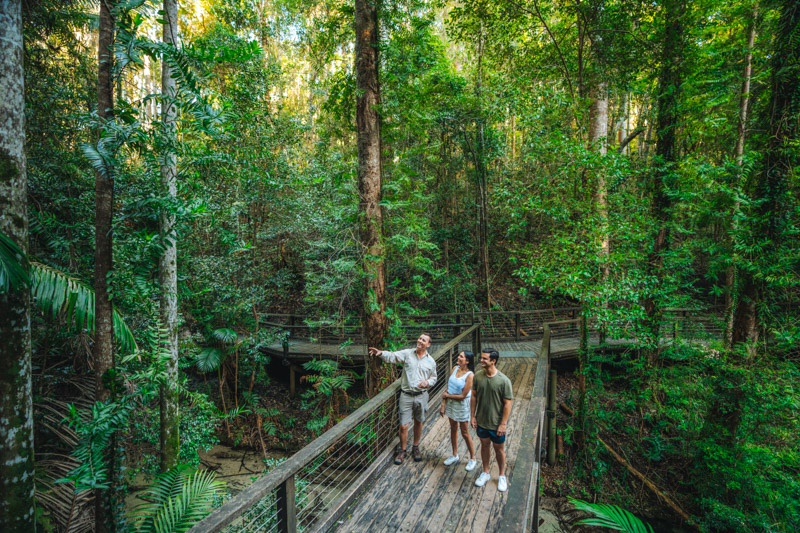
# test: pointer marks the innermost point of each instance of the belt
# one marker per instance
(414, 393)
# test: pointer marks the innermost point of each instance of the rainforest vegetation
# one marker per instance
(172, 174)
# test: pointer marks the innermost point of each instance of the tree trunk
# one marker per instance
(103, 351)
(669, 83)
(598, 131)
(168, 267)
(482, 192)
(16, 408)
(369, 188)
(744, 100)
(772, 181)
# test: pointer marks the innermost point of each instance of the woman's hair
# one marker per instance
(470, 360)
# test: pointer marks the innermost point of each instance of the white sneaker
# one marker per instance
(453, 459)
(471, 465)
(482, 479)
(502, 484)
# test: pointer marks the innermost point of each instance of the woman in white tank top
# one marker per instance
(455, 403)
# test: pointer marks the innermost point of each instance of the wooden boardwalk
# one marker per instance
(301, 351)
(428, 496)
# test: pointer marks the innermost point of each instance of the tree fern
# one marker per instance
(610, 516)
(58, 293)
(176, 501)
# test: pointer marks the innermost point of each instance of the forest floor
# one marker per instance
(609, 481)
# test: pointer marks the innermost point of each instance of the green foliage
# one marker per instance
(176, 501)
(57, 293)
(13, 271)
(94, 438)
(225, 335)
(611, 517)
(328, 392)
(208, 359)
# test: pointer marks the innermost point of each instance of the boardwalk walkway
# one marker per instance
(428, 496)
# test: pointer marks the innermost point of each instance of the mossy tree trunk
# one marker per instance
(168, 262)
(16, 408)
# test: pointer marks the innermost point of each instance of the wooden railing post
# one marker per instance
(287, 512)
(476, 341)
(551, 419)
(516, 327)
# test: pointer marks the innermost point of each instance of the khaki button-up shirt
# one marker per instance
(415, 370)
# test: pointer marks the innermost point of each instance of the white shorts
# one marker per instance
(458, 410)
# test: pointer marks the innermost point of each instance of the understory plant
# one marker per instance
(328, 393)
(177, 500)
(611, 517)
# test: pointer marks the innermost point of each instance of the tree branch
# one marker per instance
(628, 139)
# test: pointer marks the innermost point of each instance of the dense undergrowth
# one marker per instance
(718, 435)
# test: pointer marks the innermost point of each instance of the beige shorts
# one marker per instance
(413, 407)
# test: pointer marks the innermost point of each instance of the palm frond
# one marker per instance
(208, 359)
(13, 263)
(176, 501)
(225, 335)
(610, 516)
(58, 293)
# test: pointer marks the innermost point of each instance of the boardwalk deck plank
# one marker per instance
(515, 439)
(475, 516)
(381, 497)
(409, 511)
(428, 496)
(451, 492)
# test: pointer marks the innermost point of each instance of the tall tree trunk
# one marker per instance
(669, 83)
(744, 100)
(482, 190)
(16, 408)
(168, 268)
(104, 207)
(369, 187)
(772, 181)
(598, 131)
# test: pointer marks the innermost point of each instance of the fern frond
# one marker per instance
(610, 516)
(176, 501)
(57, 293)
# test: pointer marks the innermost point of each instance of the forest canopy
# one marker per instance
(183, 183)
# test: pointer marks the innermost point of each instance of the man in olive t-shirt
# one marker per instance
(490, 408)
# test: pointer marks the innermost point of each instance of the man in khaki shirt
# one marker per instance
(419, 375)
(489, 411)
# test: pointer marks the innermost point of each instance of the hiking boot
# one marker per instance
(416, 454)
(400, 457)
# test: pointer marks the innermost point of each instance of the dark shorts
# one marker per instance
(489, 434)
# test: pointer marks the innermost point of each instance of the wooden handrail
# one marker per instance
(496, 313)
(243, 501)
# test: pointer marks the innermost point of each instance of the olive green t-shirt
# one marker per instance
(490, 392)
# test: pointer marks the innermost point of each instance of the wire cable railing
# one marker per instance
(501, 325)
(311, 489)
